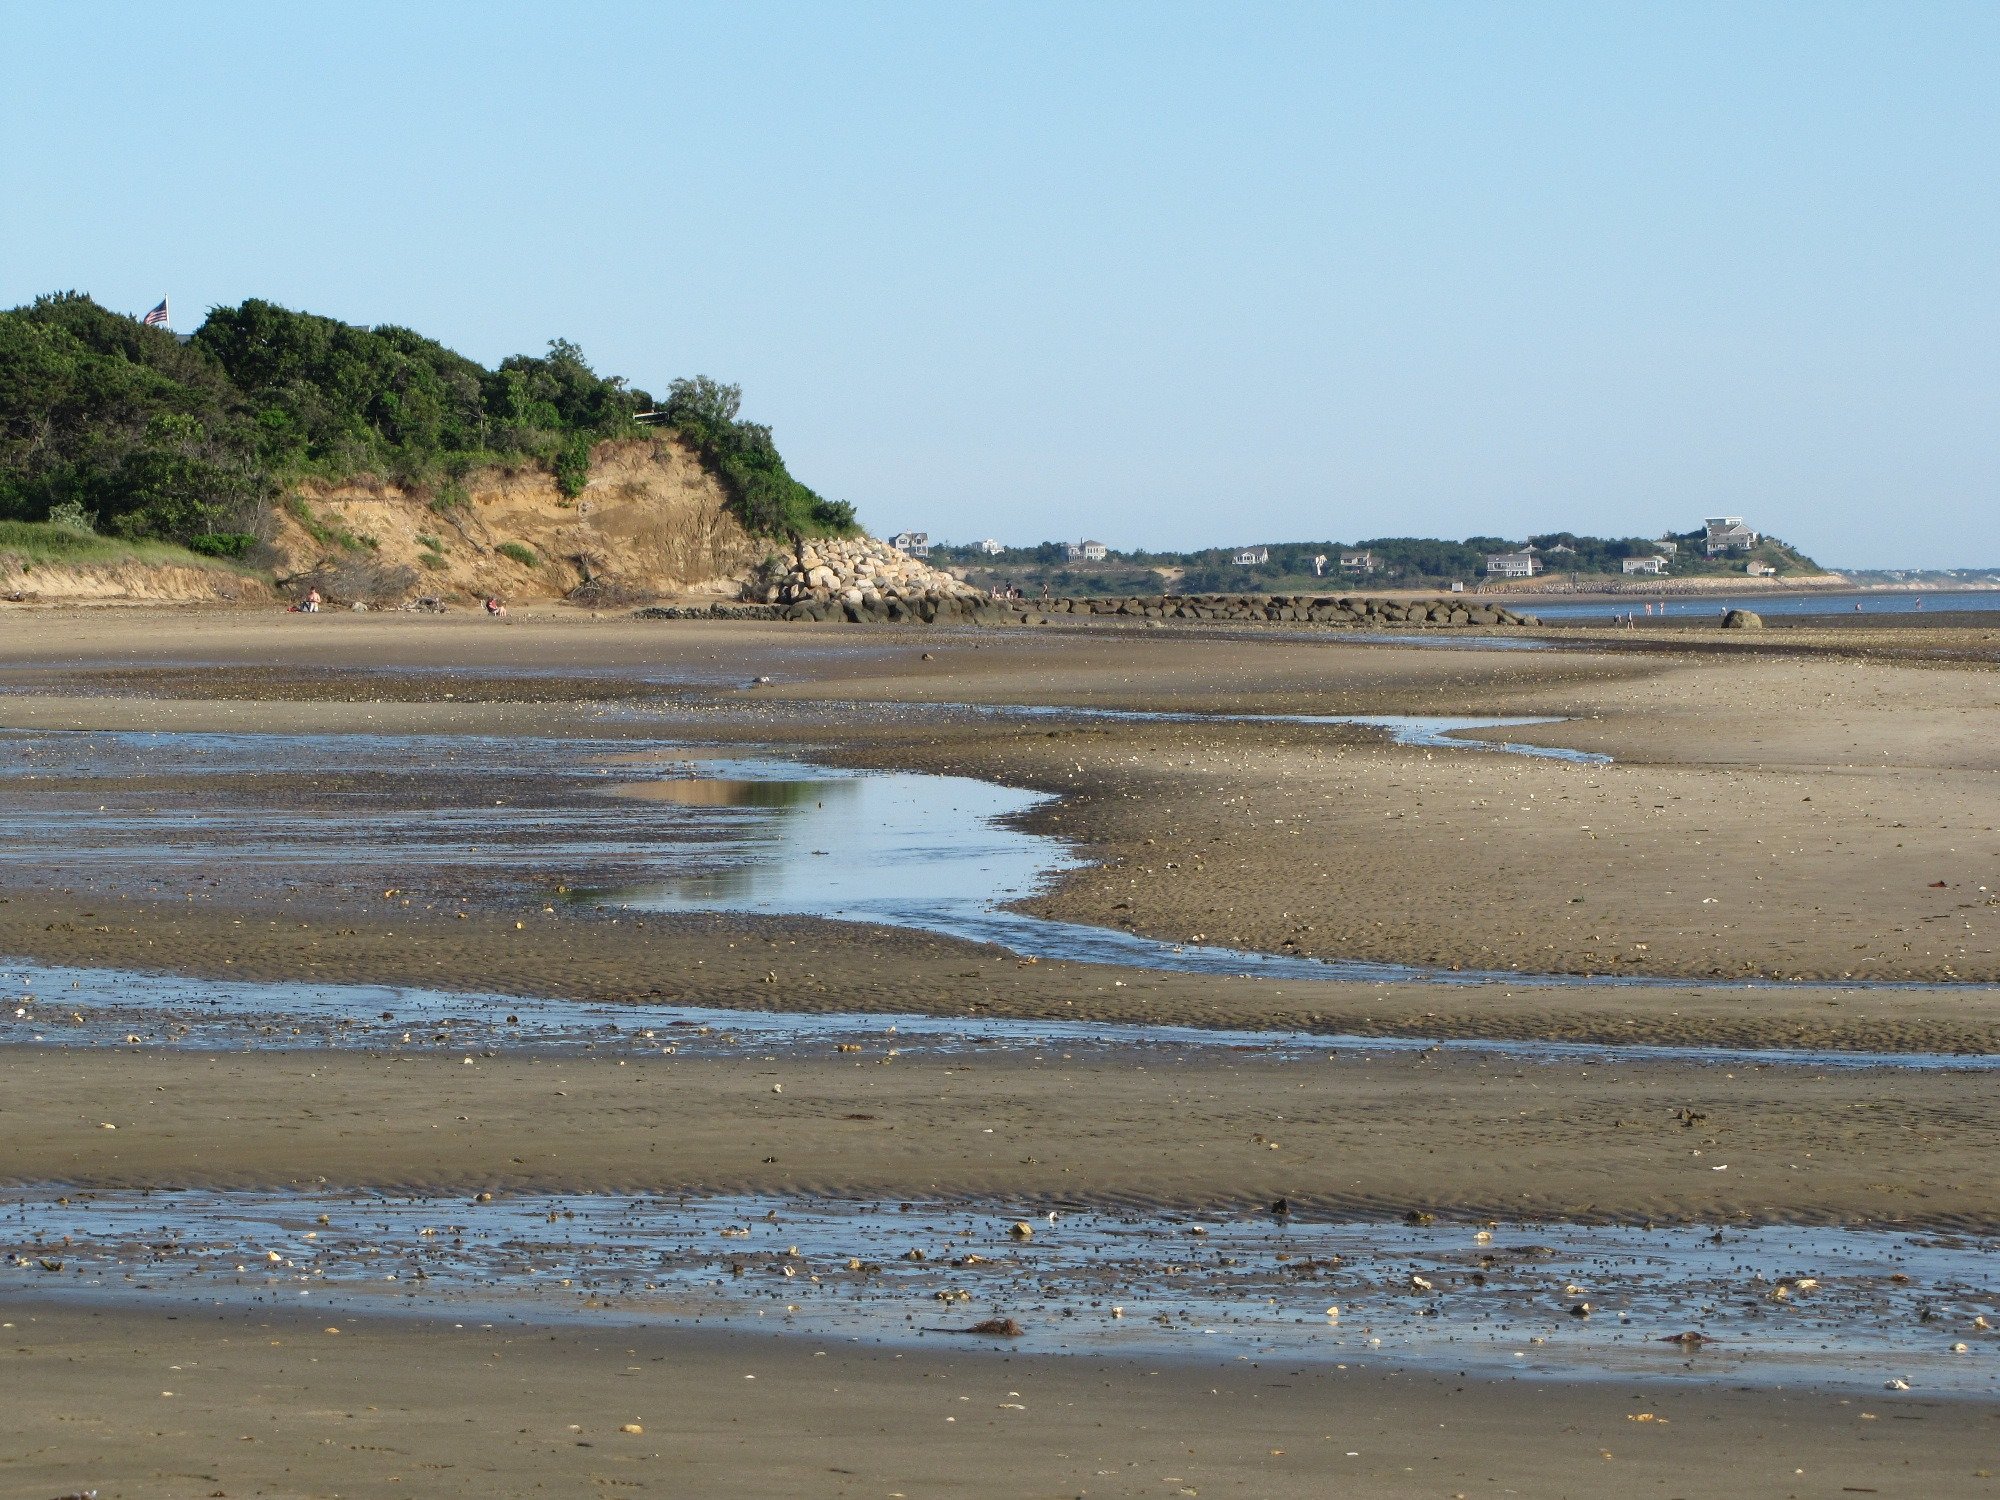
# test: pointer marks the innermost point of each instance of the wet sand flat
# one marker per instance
(821, 967)
(1790, 819)
(269, 1402)
(1355, 1135)
(1764, 814)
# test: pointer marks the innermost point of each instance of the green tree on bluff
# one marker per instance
(703, 403)
(181, 440)
(767, 497)
(181, 483)
(101, 412)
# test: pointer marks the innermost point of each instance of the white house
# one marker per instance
(916, 543)
(991, 548)
(1250, 557)
(1357, 562)
(1727, 534)
(1759, 570)
(1655, 565)
(1087, 551)
(1522, 564)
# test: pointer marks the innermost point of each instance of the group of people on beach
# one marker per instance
(310, 605)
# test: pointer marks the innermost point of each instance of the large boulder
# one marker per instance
(1742, 619)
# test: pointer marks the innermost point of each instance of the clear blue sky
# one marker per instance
(1160, 274)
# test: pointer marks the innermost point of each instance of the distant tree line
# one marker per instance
(1398, 561)
(106, 418)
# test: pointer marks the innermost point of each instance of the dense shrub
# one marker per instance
(222, 543)
(68, 515)
(572, 466)
(104, 417)
(768, 499)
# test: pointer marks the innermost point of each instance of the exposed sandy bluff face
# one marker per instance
(652, 522)
(129, 582)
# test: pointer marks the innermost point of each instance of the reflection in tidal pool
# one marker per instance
(726, 791)
(451, 820)
(905, 850)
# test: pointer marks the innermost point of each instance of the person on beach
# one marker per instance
(311, 605)
(495, 608)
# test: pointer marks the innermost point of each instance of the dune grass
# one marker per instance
(37, 544)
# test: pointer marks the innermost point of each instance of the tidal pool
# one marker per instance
(618, 823)
(1774, 1304)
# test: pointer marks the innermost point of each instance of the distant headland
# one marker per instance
(1722, 551)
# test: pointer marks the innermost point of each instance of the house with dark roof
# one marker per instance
(1726, 534)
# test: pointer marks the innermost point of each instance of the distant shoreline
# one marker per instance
(1654, 587)
(1689, 588)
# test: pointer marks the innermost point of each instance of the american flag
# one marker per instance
(157, 318)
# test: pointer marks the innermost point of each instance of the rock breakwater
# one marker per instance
(1296, 609)
(853, 579)
(859, 578)
(914, 600)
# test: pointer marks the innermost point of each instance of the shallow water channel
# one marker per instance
(1773, 1304)
(1424, 731)
(52, 1005)
(627, 824)
(622, 822)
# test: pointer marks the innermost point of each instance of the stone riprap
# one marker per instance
(969, 605)
(859, 577)
(861, 580)
(1296, 609)
(925, 611)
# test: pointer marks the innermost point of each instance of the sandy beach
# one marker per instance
(271, 1403)
(1804, 821)
(959, 754)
